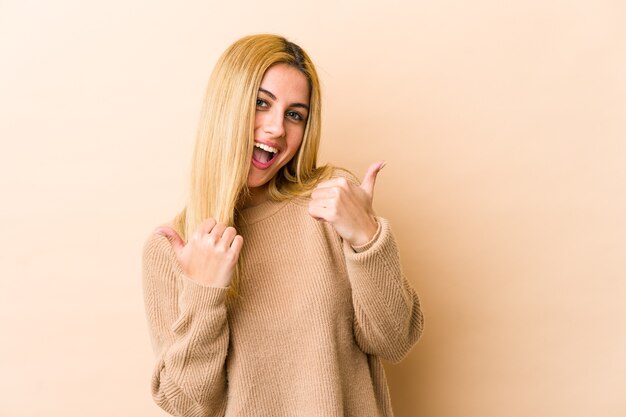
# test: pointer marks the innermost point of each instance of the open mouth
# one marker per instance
(263, 155)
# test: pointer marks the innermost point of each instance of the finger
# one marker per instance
(335, 182)
(203, 229)
(175, 240)
(228, 236)
(324, 193)
(237, 245)
(369, 179)
(320, 212)
(217, 231)
(206, 226)
(326, 203)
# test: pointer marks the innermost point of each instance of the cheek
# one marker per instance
(257, 122)
(296, 139)
(294, 146)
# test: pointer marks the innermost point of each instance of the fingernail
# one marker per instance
(382, 165)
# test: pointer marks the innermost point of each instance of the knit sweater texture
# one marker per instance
(304, 337)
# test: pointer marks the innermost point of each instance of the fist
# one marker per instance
(210, 255)
(348, 207)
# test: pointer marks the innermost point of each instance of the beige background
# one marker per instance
(503, 126)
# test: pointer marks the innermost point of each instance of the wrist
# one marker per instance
(367, 234)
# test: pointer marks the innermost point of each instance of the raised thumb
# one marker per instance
(177, 243)
(369, 179)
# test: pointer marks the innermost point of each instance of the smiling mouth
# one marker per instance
(263, 155)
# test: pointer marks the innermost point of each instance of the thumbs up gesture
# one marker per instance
(210, 255)
(348, 207)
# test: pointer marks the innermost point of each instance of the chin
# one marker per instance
(257, 182)
(258, 178)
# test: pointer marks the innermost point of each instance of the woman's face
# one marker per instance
(282, 109)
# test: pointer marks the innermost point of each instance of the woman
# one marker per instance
(277, 290)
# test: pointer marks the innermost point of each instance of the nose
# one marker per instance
(273, 123)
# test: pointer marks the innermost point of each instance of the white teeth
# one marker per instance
(265, 147)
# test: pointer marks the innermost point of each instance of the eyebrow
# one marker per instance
(269, 93)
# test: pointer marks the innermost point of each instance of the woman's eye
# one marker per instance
(261, 103)
(295, 115)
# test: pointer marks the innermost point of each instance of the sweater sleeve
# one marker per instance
(388, 318)
(189, 335)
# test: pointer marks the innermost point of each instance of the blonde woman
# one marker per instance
(277, 290)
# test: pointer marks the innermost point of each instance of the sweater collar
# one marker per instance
(254, 214)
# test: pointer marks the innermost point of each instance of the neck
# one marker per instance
(258, 195)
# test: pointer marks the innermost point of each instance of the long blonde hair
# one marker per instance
(225, 137)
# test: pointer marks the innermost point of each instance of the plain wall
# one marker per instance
(502, 123)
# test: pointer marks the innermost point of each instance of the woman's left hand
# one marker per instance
(348, 207)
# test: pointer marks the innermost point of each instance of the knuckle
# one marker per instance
(210, 240)
(208, 221)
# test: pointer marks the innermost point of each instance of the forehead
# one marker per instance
(287, 83)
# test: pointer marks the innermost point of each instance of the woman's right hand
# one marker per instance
(210, 255)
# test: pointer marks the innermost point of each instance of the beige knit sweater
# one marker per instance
(306, 334)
